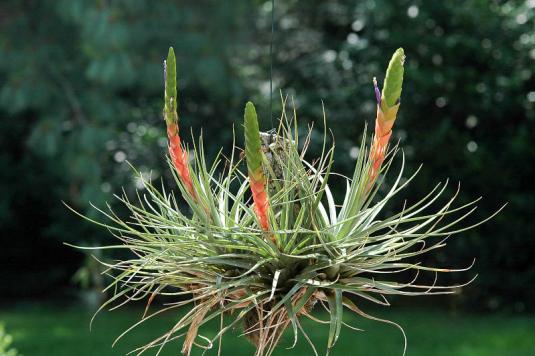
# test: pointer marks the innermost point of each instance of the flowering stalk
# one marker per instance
(387, 109)
(253, 155)
(178, 155)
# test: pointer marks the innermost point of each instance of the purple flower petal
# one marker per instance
(377, 91)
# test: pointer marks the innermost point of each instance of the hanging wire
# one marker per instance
(271, 63)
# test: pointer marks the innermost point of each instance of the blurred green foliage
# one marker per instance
(82, 85)
(6, 340)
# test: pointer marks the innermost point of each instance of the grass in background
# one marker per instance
(61, 332)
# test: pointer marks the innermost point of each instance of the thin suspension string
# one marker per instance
(271, 62)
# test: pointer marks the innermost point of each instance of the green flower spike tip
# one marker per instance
(393, 80)
(170, 108)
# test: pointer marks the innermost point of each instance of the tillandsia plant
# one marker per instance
(259, 249)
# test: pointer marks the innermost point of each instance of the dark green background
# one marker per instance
(81, 91)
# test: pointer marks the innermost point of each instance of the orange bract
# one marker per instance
(260, 202)
(180, 158)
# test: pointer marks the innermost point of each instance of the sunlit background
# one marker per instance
(81, 88)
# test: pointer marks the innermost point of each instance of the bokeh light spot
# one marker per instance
(413, 11)
(471, 146)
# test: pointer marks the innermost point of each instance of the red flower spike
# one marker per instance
(179, 157)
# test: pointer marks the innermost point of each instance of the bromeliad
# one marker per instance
(217, 259)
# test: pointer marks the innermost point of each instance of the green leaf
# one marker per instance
(336, 311)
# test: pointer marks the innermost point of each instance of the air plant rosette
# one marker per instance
(264, 241)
